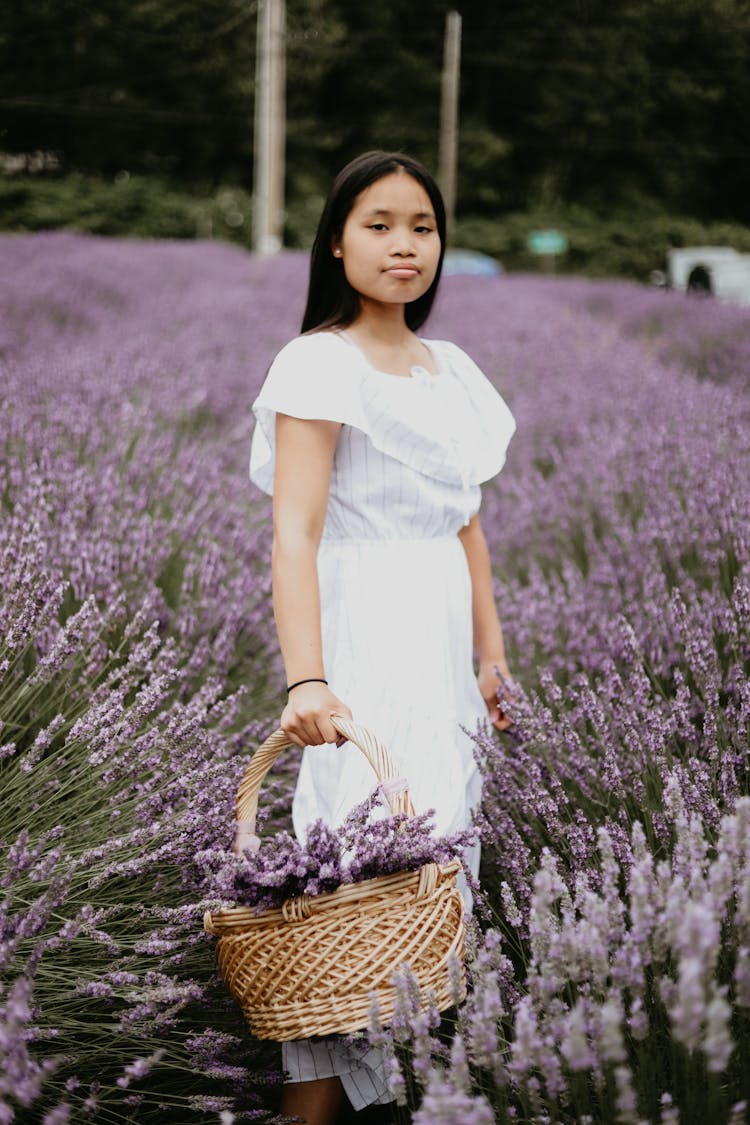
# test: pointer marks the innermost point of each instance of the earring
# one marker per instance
(337, 253)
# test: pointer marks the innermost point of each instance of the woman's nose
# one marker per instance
(402, 243)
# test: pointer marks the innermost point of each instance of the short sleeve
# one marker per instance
(307, 379)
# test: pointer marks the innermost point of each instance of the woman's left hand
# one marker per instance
(490, 685)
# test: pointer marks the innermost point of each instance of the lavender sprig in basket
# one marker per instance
(323, 926)
(362, 848)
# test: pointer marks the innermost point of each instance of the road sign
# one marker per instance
(547, 242)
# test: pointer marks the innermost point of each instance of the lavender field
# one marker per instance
(610, 971)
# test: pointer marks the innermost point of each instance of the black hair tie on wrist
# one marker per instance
(312, 680)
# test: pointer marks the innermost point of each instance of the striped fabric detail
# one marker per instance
(359, 1066)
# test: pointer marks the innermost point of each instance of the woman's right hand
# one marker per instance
(306, 719)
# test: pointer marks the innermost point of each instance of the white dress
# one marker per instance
(395, 588)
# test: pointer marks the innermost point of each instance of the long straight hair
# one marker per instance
(331, 300)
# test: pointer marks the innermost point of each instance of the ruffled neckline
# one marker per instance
(454, 426)
(418, 371)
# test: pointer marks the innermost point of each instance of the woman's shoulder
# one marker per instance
(307, 346)
(315, 361)
(466, 371)
(453, 355)
(309, 378)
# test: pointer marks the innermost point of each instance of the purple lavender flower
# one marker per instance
(138, 668)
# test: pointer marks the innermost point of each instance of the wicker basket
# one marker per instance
(312, 966)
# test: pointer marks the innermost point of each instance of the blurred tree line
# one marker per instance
(641, 105)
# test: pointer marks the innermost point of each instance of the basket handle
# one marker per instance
(397, 793)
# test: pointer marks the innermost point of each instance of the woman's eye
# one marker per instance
(423, 230)
(378, 226)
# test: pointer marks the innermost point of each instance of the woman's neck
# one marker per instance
(382, 324)
(387, 341)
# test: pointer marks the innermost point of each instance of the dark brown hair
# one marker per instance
(331, 300)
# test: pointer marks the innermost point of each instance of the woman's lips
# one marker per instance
(403, 272)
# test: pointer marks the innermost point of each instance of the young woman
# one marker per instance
(374, 442)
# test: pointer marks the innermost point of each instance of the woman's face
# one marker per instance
(390, 246)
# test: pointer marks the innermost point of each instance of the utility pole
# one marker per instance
(448, 157)
(270, 81)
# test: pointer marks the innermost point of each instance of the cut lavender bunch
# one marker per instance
(364, 847)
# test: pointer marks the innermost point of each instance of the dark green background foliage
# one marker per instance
(627, 109)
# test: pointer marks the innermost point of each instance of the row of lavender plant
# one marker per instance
(135, 618)
(612, 984)
(139, 667)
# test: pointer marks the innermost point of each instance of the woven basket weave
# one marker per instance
(312, 966)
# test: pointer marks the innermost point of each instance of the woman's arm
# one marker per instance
(488, 634)
(304, 456)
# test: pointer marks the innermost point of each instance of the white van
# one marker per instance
(717, 270)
